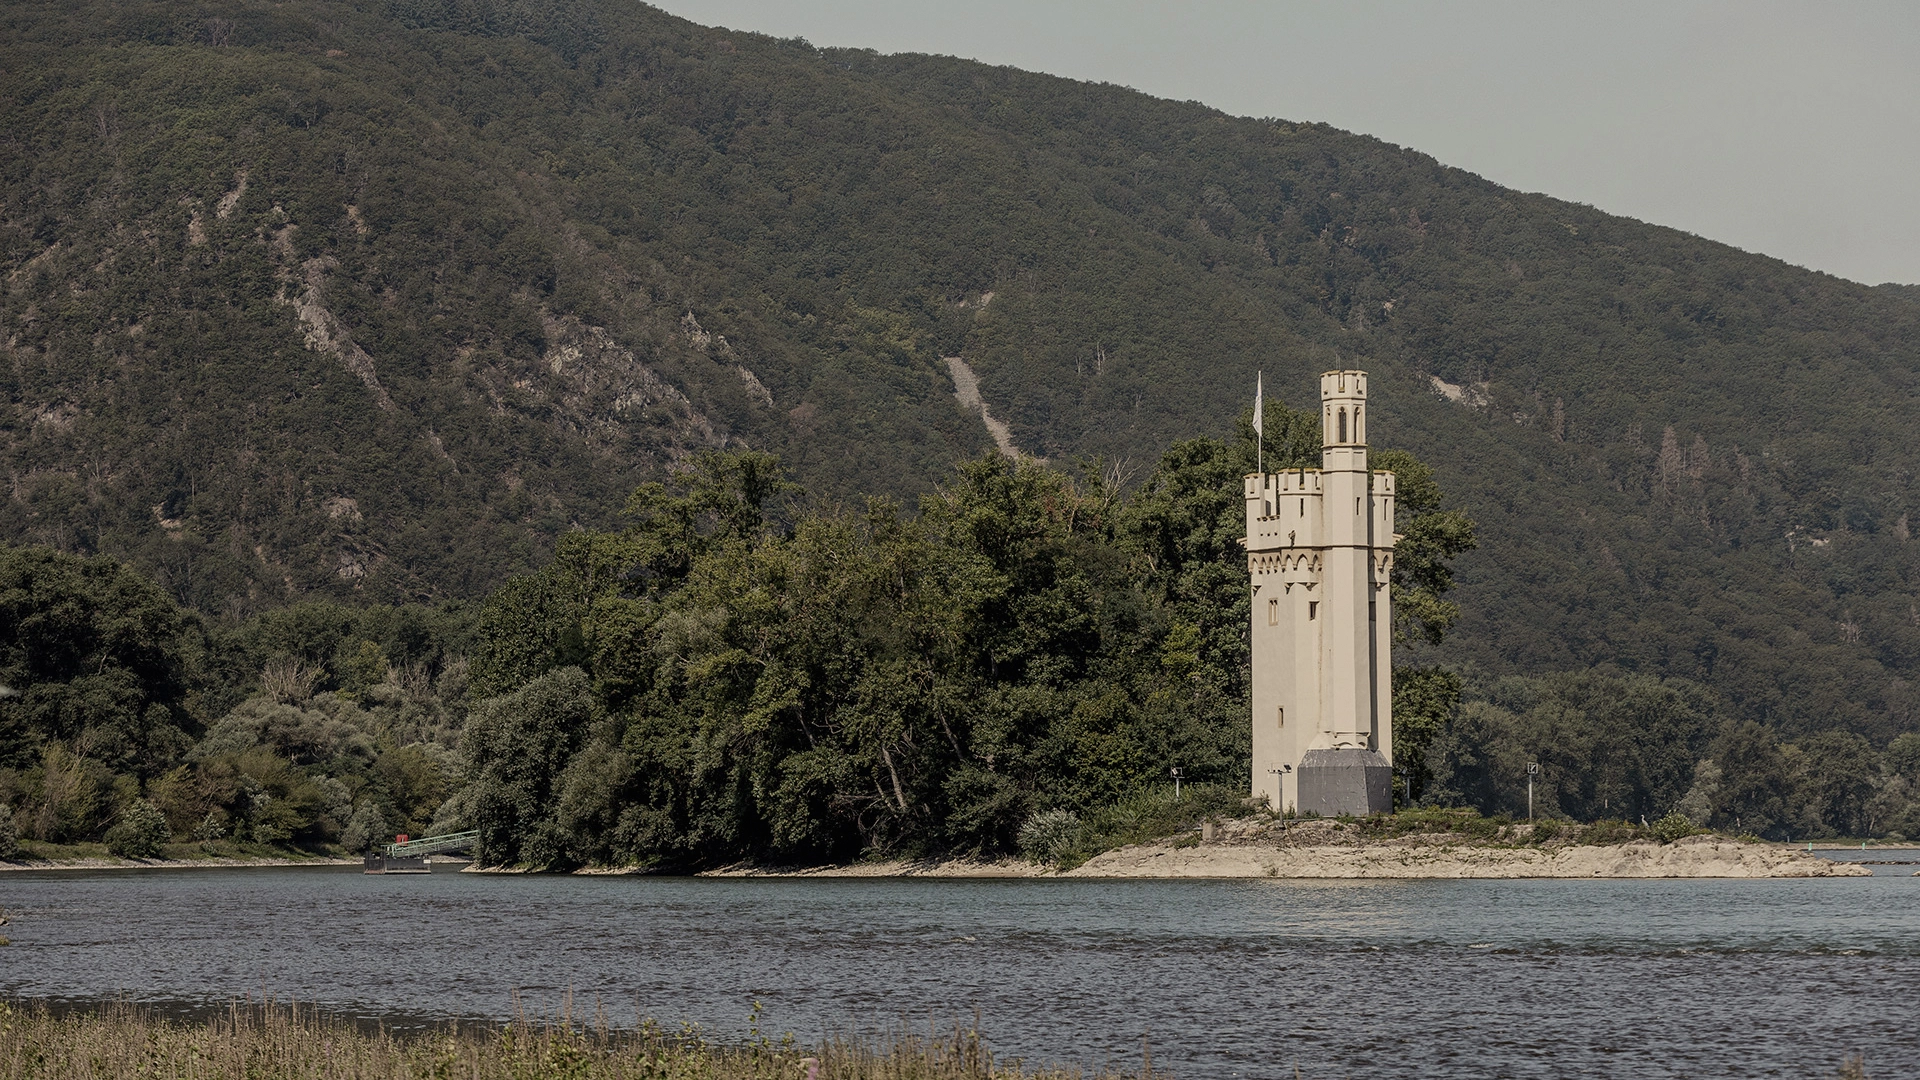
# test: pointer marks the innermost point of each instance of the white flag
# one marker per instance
(1260, 421)
(1259, 406)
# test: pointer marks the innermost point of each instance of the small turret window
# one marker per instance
(1343, 426)
(1273, 612)
(1313, 609)
(1283, 716)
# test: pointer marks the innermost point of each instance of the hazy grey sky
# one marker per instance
(1791, 129)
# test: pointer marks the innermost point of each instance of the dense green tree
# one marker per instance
(94, 655)
(1903, 757)
(1608, 746)
(107, 681)
(1837, 785)
(1425, 702)
(518, 744)
(367, 828)
(1754, 793)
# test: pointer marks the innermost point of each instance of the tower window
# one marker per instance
(1273, 612)
(1373, 615)
(1343, 426)
(1313, 609)
(1303, 508)
(1283, 716)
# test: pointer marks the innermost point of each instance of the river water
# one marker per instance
(1221, 978)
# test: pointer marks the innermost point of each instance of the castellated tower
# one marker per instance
(1319, 549)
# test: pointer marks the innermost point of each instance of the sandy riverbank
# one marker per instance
(1328, 850)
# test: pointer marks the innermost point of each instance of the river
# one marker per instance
(1221, 979)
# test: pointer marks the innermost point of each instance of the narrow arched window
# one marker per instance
(1343, 426)
(1273, 612)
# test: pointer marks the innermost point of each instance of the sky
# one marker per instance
(1788, 129)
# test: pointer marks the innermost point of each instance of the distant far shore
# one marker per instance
(114, 862)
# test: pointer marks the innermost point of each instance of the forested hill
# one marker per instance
(376, 299)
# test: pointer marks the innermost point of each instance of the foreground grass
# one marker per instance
(284, 1044)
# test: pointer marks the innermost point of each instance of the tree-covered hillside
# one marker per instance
(376, 300)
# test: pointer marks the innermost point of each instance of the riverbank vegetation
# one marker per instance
(1612, 745)
(129, 722)
(296, 1044)
(743, 672)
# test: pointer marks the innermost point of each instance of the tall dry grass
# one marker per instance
(285, 1043)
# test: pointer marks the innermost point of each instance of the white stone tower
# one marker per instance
(1319, 549)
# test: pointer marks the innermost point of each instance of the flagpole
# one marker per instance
(1260, 423)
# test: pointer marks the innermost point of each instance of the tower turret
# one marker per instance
(1347, 712)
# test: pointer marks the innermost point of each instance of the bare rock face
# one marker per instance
(595, 385)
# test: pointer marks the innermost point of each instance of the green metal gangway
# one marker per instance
(435, 845)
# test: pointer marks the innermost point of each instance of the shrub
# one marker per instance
(1050, 835)
(1609, 832)
(1427, 820)
(1545, 831)
(139, 832)
(9, 833)
(1673, 827)
(212, 827)
(1482, 828)
(367, 828)
(274, 821)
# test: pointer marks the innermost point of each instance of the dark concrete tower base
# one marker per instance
(1353, 782)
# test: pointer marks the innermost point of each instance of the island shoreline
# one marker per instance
(1703, 857)
(1250, 856)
